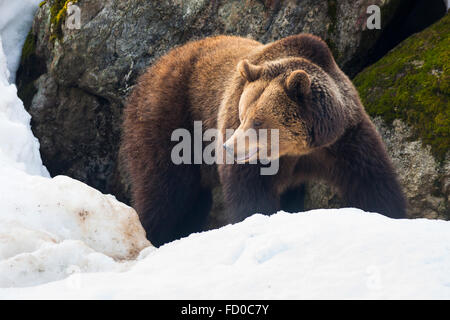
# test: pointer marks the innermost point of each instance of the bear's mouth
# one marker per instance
(246, 157)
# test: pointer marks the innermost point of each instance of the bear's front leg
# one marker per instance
(246, 191)
(364, 173)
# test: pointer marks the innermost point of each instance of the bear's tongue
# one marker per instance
(247, 156)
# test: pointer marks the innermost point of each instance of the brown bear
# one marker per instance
(292, 85)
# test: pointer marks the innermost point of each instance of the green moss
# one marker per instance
(29, 47)
(411, 83)
(58, 13)
(31, 67)
(42, 3)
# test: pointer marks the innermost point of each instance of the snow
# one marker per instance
(334, 253)
(61, 239)
(19, 149)
(48, 226)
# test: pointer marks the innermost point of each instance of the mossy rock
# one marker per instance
(31, 67)
(29, 47)
(412, 83)
(58, 13)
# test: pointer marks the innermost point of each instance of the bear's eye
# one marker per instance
(257, 123)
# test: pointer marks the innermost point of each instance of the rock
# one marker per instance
(319, 195)
(407, 92)
(419, 171)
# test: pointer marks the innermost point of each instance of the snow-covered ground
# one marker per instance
(62, 239)
(345, 253)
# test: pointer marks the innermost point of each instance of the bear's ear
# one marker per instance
(248, 71)
(298, 83)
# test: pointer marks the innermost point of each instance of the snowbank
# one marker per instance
(340, 253)
(15, 21)
(19, 149)
(49, 228)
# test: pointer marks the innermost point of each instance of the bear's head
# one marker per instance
(294, 96)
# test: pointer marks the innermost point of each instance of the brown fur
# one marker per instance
(293, 85)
